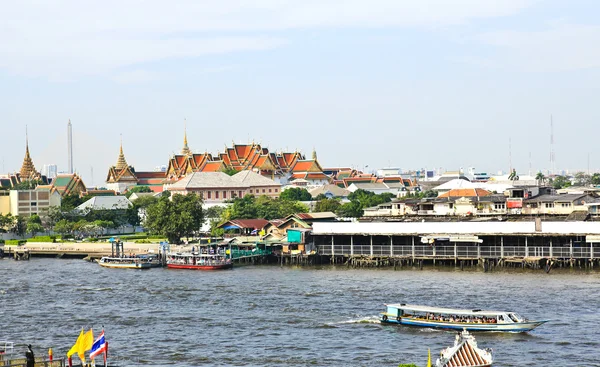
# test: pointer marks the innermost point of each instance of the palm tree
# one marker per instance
(541, 179)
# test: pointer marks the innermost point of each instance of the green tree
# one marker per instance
(250, 207)
(242, 208)
(19, 226)
(135, 213)
(368, 199)
(63, 227)
(560, 182)
(6, 221)
(214, 212)
(135, 189)
(80, 227)
(541, 179)
(70, 202)
(27, 185)
(320, 197)
(328, 205)
(352, 209)
(34, 225)
(179, 217)
(295, 194)
(230, 171)
(582, 179)
(595, 179)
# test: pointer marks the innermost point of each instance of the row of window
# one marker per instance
(233, 194)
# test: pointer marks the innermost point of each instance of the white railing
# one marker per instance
(460, 251)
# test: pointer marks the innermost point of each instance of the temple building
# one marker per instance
(122, 176)
(242, 157)
(279, 167)
(26, 173)
(67, 184)
(308, 172)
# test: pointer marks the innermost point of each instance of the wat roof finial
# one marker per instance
(186, 149)
(314, 154)
(121, 162)
(27, 169)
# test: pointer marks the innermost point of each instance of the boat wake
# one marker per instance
(362, 320)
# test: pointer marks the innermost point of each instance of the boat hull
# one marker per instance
(126, 266)
(520, 327)
(200, 267)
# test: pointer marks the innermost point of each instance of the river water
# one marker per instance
(273, 316)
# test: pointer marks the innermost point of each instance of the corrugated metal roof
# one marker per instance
(471, 228)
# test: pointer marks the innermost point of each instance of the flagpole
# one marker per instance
(106, 349)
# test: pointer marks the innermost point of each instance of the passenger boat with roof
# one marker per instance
(130, 262)
(465, 353)
(199, 261)
(457, 319)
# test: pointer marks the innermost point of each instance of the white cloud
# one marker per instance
(561, 48)
(67, 39)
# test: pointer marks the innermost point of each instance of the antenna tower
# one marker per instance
(552, 158)
(70, 145)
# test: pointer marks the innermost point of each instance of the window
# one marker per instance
(549, 205)
(499, 206)
(224, 194)
(565, 205)
(239, 194)
(210, 194)
(232, 194)
(276, 190)
(216, 194)
(264, 191)
(269, 190)
(33, 203)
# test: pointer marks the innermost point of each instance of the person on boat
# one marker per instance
(30, 357)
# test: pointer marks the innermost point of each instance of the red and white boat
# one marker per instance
(465, 353)
(198, 261)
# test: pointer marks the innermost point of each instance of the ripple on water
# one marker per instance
(272, 316)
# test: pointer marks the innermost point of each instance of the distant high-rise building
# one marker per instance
(70, 145)
(50, 171)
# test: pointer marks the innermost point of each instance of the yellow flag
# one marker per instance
(75, 346)
(86, 344)
(428, 357)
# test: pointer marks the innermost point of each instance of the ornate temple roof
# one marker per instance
(186, 151)
(28, 171)
(121, 162)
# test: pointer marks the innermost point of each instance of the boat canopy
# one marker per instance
(446, 311)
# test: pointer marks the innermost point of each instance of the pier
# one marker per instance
(507, 244)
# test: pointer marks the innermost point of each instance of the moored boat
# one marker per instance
(465, 353)
(198, 261)
(457, 319)
(125, 263)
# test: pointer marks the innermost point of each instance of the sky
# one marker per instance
(429, 84)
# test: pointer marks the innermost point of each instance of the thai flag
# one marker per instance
(254, 232)
(100, 346)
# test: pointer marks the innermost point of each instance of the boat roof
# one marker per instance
(193, 254)
(443, 310)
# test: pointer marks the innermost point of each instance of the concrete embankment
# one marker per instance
(82, 249)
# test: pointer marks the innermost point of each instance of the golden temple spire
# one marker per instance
(186, 150)
(27, 169)
(121, 162)
(314, 154)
